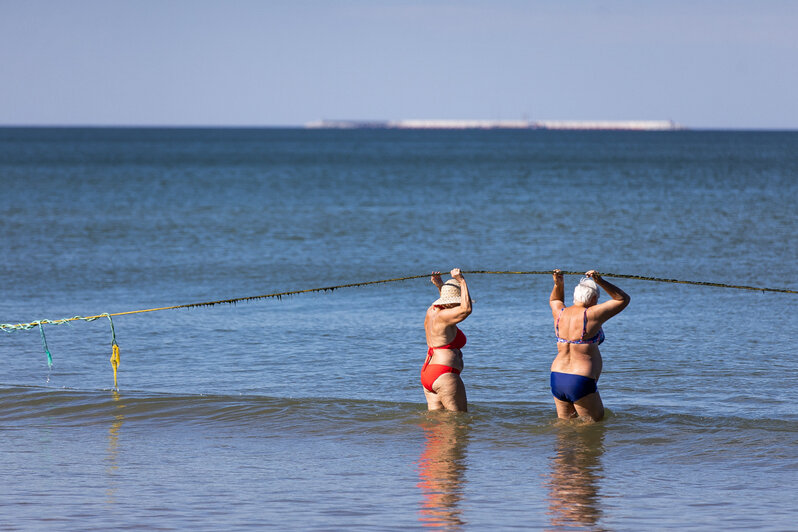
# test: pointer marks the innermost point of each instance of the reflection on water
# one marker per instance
(441, 468)
(113, 448)
(574, 499)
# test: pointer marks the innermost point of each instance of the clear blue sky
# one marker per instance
(717, 64)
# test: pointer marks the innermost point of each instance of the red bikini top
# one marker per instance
(458, 343)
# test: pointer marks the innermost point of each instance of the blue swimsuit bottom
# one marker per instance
(571, 388)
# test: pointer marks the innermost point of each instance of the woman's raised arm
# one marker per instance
(436, 280)
(608, 309)
(557, 297)
(462, 311)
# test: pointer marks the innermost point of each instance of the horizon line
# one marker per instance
(305, 127)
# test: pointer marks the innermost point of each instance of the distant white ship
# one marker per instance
(619, 125)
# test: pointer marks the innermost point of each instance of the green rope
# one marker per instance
(8, 327)
(44, 345)
(113, 332)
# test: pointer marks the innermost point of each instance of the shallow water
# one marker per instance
(306, 412)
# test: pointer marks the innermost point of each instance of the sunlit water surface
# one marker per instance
(306, 412)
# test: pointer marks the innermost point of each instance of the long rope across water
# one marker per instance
(8, 327)
(115, 357)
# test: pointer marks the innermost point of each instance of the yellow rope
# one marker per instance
(20, 326)
(278, 295)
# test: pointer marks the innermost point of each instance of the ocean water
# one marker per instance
(305, 413)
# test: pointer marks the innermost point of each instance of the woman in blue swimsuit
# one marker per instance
(577, 367)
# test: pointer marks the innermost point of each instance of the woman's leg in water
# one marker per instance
(451, 392)
(433, 401)
(565, 410)
(590, 407)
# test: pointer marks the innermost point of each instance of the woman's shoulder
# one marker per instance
(431, 315)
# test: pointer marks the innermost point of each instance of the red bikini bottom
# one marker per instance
(430, 372)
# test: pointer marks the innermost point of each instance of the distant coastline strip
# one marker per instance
(8, 327)
(573, 125)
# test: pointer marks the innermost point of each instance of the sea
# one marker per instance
(305, 412)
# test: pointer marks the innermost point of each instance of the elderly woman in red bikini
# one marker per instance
(440, 375)
(576, 369)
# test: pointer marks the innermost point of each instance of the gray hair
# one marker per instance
(586, 291)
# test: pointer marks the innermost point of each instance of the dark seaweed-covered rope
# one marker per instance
(643, 278)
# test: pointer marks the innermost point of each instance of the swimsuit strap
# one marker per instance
(557, 324)
(430, 352)
(584, 325)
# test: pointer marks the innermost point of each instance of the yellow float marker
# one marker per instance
(114, 351)
(115, 361)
